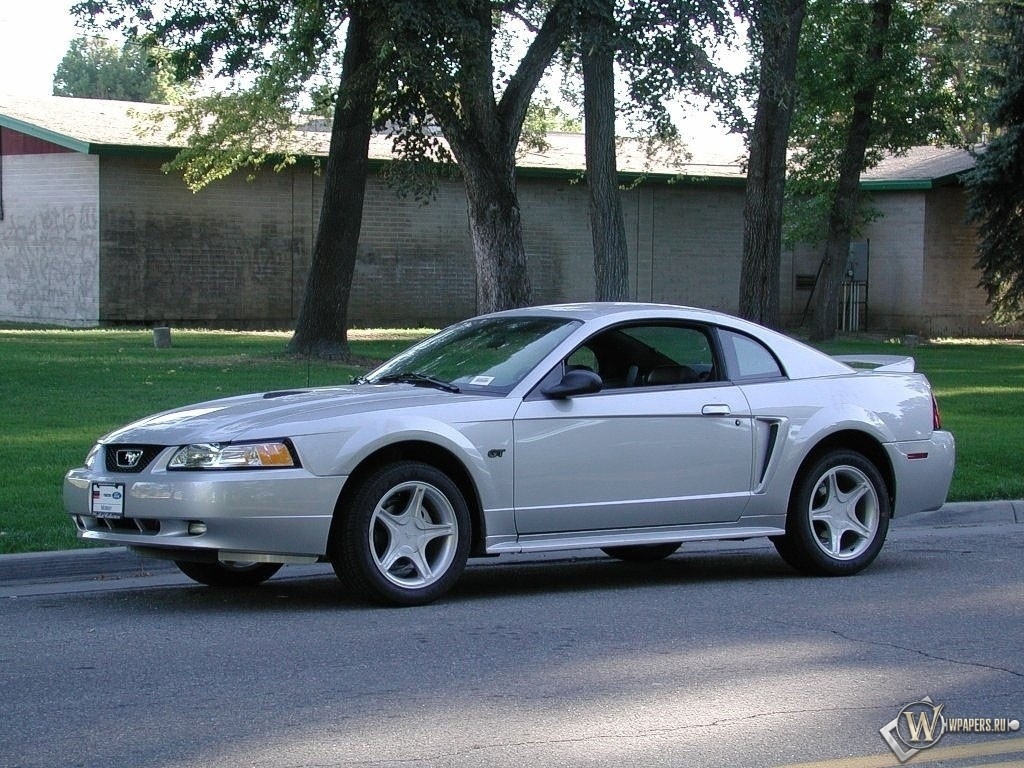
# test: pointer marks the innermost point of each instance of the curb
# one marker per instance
(965, 513)
(118, 562)
(79, 564)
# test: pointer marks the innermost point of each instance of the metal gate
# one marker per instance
(853, 297)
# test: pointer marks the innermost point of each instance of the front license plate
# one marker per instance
(108, 499)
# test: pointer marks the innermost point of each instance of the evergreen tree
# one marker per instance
(996, 187)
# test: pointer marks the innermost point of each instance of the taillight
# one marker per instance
(936, 416)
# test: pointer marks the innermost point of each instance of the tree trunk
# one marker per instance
(322, 326)
(779, 27)
(844, 205)
(483, 136)
(607, 227)
(503, 279)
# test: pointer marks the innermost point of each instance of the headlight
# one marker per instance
(271, 455)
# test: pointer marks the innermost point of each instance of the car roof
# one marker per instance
(799, 359)
(592, 310)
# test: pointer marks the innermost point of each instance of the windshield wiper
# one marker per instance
(419, 380)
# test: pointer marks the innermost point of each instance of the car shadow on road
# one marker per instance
(493, 579)
(605, 573)
(483, 579)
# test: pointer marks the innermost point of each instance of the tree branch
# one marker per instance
(557, 26)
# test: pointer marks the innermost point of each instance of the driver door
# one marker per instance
(663, 444)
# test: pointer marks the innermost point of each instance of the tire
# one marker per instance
(403, 539)
(642, 553)
(838, 516)
(228, 574)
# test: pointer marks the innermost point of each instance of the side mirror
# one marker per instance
(575, 382)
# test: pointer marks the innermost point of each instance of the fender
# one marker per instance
(471, 440)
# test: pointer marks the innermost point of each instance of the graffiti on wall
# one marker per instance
(49, 262)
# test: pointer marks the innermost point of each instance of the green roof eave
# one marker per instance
(167, 153)
(44, 134)
(129, 150)
(895, 185)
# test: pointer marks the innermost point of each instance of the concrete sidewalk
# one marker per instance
(98, 564)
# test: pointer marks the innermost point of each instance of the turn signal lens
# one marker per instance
(270, 455)
(257, 455)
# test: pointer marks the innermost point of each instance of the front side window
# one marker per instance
(647, 356)
(485, 354)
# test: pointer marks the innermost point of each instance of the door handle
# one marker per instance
(715, 410)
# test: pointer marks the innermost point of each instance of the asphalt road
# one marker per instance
(719, 656)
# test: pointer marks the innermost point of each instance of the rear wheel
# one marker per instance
(838, 516)
(228, 574)
(642, 553)
(404, 537)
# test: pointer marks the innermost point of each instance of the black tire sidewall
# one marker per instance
(800, 548)
(351, 555)
(221, 575)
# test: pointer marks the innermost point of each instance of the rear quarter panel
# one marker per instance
(890, 408)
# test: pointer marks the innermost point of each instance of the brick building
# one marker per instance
(92, 232)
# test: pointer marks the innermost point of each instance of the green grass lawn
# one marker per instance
(63, 389)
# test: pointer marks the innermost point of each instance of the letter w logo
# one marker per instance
(921, 727)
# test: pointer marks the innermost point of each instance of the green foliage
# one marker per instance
(95, 68)
(223, 133)
(922, 97)
(666, 51)
(265, 57)
(996, 187)
(958, 51)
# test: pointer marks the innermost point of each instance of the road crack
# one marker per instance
(906, 648)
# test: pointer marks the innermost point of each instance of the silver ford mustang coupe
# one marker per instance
(631, 428)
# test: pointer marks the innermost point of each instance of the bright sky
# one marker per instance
(34, 36)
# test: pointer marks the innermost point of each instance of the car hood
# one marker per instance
(276, 414)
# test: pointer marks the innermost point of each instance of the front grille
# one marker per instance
(130, 458)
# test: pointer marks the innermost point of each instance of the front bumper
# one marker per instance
(285, 512)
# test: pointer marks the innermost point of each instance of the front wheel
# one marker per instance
(838, 516)
(228, 574)
(404, 537)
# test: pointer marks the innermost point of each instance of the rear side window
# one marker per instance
(747, 358)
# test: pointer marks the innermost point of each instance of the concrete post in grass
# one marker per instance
(162, 337)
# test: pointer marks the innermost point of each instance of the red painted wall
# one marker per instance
(16, 143)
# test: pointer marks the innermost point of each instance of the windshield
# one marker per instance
(486, 354)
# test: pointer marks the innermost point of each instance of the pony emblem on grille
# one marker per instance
(127, 458)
